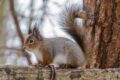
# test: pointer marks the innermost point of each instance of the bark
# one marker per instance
(40, 73)
(3, 8)
(102, 33)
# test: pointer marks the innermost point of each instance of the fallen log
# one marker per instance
(41, 73)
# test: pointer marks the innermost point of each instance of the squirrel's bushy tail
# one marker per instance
(71, 23)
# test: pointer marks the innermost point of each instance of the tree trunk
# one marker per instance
(3, 8)
(102, 33)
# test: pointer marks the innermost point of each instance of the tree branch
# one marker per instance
(11, 48)
(31, 16)
(43, 73)
(44, 13)
(13, 13)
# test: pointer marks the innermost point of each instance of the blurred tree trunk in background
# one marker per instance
(2, 28)
(103, 33)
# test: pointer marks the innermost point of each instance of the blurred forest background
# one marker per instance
(102, 31)
(17, 17)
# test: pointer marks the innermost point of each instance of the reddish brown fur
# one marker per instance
(32, 47)
(46, 59)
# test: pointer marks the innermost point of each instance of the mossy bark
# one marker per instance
(40, 73)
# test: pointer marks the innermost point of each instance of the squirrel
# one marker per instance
(59, 50)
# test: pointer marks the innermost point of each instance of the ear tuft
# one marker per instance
(37, 34)
(35, 31)
(29, 31)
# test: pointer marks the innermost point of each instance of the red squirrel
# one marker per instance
(60, 50)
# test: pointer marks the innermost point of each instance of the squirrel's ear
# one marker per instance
(36, 33)
(29, 31)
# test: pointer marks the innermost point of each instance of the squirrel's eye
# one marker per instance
(31, 41)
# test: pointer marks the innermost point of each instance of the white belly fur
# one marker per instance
(60, 59)
(38, 54)
(32, 57)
